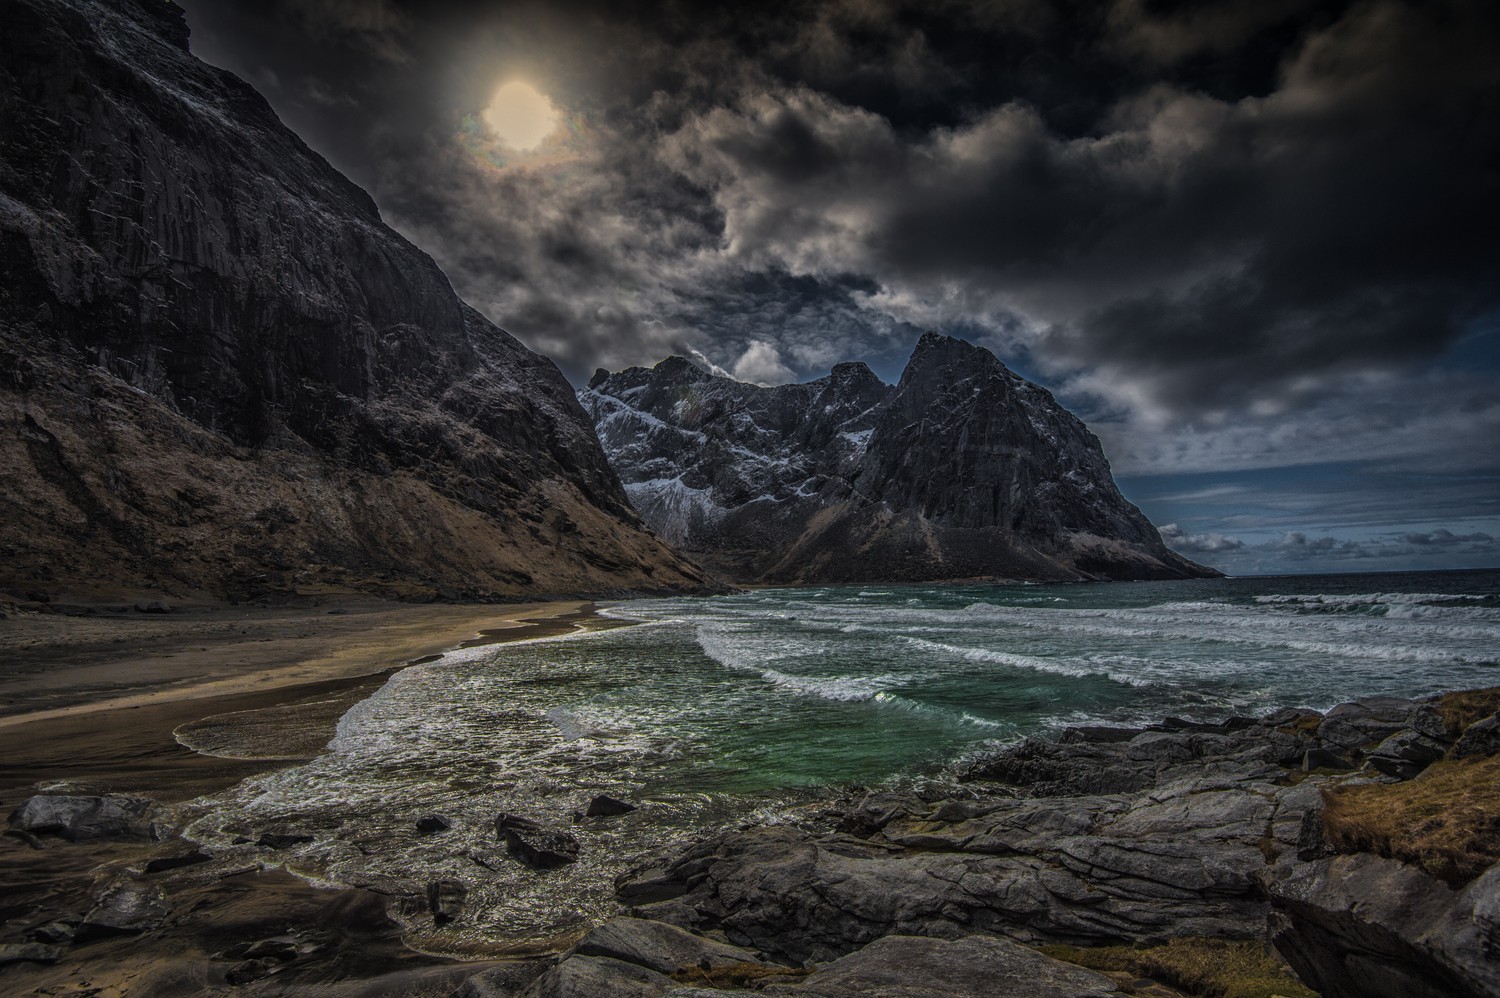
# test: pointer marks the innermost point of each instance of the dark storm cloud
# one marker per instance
(1211, 253)
(1231, 233)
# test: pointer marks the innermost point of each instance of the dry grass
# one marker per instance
(735, 976)
(1447, 820)
(1461, 709)
(1213, 968)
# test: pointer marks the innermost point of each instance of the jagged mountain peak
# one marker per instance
(962, 469)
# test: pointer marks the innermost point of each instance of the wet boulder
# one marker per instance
(445, 899)
(431, 824)
(124, 909)
(541, 846)
(605, 806)
(86, 818)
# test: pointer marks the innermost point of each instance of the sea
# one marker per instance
(714, 712)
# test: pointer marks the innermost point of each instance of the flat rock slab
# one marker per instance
(914, 967)
(29, 953)
(599, 977)
(658, 946)
(505, 981)
(125, 909)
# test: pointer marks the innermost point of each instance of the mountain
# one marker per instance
(220, 371)
(962, 470)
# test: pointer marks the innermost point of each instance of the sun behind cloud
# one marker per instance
(520, 116)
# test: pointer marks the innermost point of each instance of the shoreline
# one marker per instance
(142, 752)
(129, 744)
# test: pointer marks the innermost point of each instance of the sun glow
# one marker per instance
(520, 116)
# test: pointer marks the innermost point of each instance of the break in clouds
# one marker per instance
(1230, 235)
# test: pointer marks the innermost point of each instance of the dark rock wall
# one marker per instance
(962, 470)
(189, 288)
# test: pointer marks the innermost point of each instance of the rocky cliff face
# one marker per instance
(219, 369)
(961, 470)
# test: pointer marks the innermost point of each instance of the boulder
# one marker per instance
(1479, 738)
(445, 899)
(505, 821)
(58, 932)
(658, 946)
(604, 806)
(1405, 754)
(431, 824)
(86, 818)
(1363, 723)
(505, 981)
(874, 811)
(598, 977)
(541, 846)
(29, 953)
(123, 909)
(1364, 926)
(910, 967)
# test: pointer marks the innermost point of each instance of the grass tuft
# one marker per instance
(1212, 968)
(1446, 820)
(1461, 709)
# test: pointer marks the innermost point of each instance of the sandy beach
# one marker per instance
(90, 704)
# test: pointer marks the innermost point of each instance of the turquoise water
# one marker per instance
(711, 711)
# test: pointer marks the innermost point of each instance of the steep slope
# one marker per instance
(962, 470)
(219, 370)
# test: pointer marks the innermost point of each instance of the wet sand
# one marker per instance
(229, 679)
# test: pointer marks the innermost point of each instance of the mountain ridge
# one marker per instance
(962, 470)
(221, 372)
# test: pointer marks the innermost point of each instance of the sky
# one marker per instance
(1255, 244)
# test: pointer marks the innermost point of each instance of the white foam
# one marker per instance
(847, 689)
(1331, 599)
(1033, 663)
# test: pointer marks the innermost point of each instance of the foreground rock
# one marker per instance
(1109, 836)
(658, 946)
(962, 470)
(637, 958)
(907, 967)
(445, 899)
(124, 909)
(1364, 926)
(82, 819)
(1183, 853)
(542, 848)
